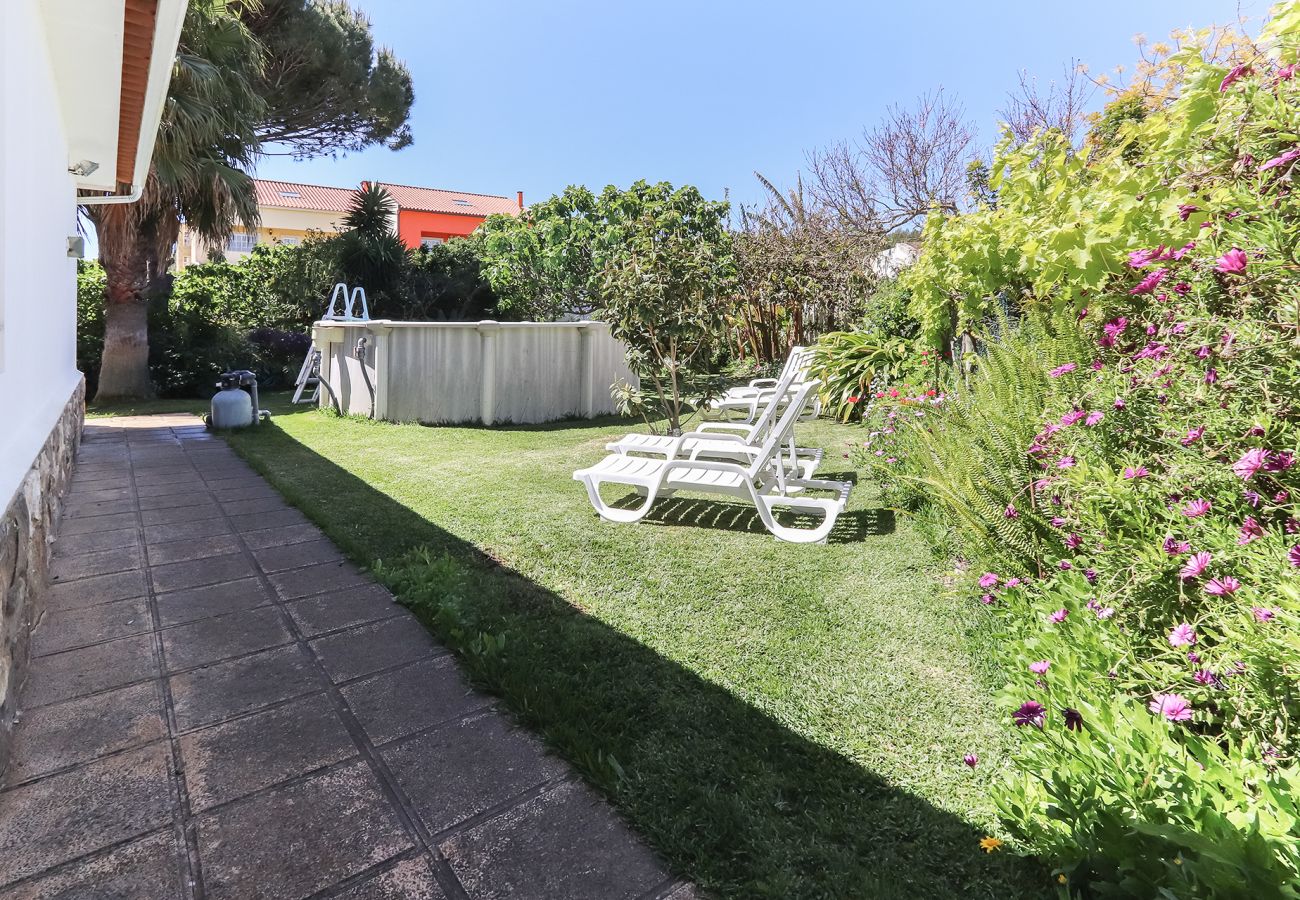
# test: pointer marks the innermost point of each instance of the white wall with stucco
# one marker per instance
(38, 318)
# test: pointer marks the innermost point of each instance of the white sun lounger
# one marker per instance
(748, 400)
(764, 481)
(731, 441)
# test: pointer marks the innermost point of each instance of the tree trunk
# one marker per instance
(124, 368)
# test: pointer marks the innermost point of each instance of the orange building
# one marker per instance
(430, 215)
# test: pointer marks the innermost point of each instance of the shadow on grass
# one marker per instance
(731, 798)
(851, 527)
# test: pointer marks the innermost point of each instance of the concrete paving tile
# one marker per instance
(65, 734)
(250, 492)
(565, 843)
(275, 537)
(408, 879)
(75, 673)
(151, 868)
(97, 562)
(221, 637)
(256, 505)
(96, 494)
(317, 579)
(195, 548)
(65, 630)
(177, 531)
(85, 592)
(257, 521)
(177, 488)
(295, 556)
(411, 699)
(198, 572)
(299, 839)
(213, 600)
(63, 817)
(78, 509)
(181, 500)
(80, 525)
(378, 645)
(205, 509)
(343, 609)
(234, 759)
(186, 476)
(73, 544)
(491, 761)
(222, 690)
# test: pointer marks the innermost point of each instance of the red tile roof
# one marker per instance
(436, 200)
(289, 195)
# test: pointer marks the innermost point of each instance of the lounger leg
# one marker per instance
(611, 514)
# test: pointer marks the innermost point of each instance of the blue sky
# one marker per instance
(514, 95)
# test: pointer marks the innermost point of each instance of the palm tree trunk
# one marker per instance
(124, 249)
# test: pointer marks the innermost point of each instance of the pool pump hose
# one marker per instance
(365, 373)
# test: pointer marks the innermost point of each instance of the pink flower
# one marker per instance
(1065, 462)
(1182, 289)
(1073, 542)
(1072, 416)
(1222, 587)
(1094, 419)
(1235, 74)
(1193, 435)
(1185, 211)
(1263, 614)
(1011, 512)
(1232, 263)
(1183, 635)
(1205, 677)
(1251, 462)
(989, 579)
(1285, 73)
(1250, 530)
(1176, 548)
(971, 760)
(1058, 617)
(1063, 370)
(1119, 403)
(1065, 565)
(987, 599)
(1013, 582)
(1173, 707)
(1280, 461)
(1040, 667)
(1196, 508)
(1030, 712)
(1139, 258)
(1211, 375)
(1150, 282)
(1140, 472)
(1194, 566)
(1293, 556)
(1105, 612)
(1289, 156)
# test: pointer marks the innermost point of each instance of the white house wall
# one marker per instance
(38, 367)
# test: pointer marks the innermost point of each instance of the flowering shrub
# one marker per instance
(1136, 524)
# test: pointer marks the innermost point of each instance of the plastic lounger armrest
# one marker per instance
(764, 383)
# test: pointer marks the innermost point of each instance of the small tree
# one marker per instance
(665, 278)
(370, 253)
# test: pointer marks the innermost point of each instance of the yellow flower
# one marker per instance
(1061, 879)
(989, 844)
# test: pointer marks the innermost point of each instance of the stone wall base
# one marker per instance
(26, 528)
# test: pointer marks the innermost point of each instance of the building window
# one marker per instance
(241, 242)
(290, 240)
(462, 203)
(430, 241)
(291, 195)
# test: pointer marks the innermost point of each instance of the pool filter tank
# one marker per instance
(236, 403)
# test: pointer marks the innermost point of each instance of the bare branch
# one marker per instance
(1060, 105)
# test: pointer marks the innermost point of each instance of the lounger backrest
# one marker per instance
(774, 405)
(783, 428)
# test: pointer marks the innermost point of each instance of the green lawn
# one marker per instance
(778, 720)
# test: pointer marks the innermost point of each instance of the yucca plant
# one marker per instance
(850, 364)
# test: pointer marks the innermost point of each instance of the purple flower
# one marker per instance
(1105, 612)
(1280, 461)
(1072, 416)
(1119, 402)
(1263, 614)
(1058, 617)
(987, 599)
(1073, 718)
(1183, 250)
(1251, 462)
(1182, 289)
(1150, 282)
(1211, 375)
(1063, 370)
(971, 760)
(1090, 575)
(1289, 156)
(1140, 472)
(1031, 712)
(1073, 541)
(1173, 707)
(989, 579)
(1065, 565)
(1010, 512)
(1195, 566)
(1196, 508)
(1094, 418)
(1222, 587)
(1232, 263)
(1065, 462)
(1183, 635)
(1235, 74)
(1193, 435)
(1185, 211)
(1139, 258)
(1293, 556)
(1250, 530)
(1040, 667)
(1205, 677)
(1176, 548)
(1013, 582)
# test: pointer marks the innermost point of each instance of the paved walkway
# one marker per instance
(220, 706)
